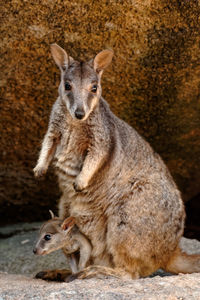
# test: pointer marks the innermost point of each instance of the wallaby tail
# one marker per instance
(181, 262)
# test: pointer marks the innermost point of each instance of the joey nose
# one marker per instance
(34, 250)
(79, 114)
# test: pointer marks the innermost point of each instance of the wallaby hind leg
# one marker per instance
(54, 275)
(181, 262)
(101, 272)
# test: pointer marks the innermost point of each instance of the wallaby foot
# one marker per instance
(181, 262)
(53, 275)
(71, 277)
(100, 272)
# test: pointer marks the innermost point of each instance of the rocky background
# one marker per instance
(153, 84)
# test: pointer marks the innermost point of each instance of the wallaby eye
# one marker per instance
(47, 237)
(94, 88)
(68, 86)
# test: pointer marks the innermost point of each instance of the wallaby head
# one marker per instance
(80, 86)
(53, 235)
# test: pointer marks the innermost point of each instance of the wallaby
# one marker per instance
(120, 191)
(57, 234)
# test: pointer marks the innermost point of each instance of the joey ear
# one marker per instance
(68, 223)
(60, 56)
(52, 214)
(102, 60)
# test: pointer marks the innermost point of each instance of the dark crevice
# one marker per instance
(192, 225)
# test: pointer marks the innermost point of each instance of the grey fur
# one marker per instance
(120, 191)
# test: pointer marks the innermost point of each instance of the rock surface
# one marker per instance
(15, 287)
(153, 84)
(18, 266)
(16, 251)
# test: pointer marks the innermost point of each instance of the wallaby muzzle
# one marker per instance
(79, 114)
(38, 251)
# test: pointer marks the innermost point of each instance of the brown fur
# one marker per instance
(120, 191)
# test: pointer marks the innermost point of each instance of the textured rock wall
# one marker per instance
(153, 83)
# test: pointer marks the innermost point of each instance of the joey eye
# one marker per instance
(94, 88)
(47, 237)
(68, 86)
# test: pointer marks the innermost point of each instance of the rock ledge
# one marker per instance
(15, 287)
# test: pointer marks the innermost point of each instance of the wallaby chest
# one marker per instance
(71, 151)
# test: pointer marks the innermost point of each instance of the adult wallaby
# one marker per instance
(58, 234)
(120, 191)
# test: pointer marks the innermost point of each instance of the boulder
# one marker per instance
(153, 84)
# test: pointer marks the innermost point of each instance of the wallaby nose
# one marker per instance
(79, 114)
(34, 250)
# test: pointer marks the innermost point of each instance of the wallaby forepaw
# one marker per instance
(77, 188)
(79, 185)
(39, 171)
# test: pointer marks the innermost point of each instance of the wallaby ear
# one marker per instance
(52, 214)
(102, 60)
(68, 223)
(60, 56)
